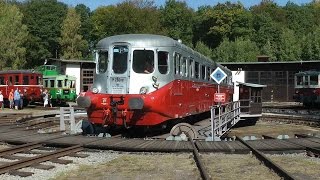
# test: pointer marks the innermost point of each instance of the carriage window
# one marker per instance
(66, 83)
(143, 61)
(46, 83)
(120, 59)
(163, 62)
(16, 80)
(184, 67)
(203, 72)
(51, 83)
(59, 83)
(1, 80)
(177, 63)
(299, 80)
(197, 70)
(102, 61)
(208, 73)
(25, 80)
(314, 80)
(73, 84)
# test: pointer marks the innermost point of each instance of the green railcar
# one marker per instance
(62, 88)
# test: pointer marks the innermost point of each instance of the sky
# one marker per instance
(93, 4)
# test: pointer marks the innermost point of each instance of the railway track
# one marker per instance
(35, 162)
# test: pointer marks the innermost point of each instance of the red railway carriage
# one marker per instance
(27, 81)
(149, 80)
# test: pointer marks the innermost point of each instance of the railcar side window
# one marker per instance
(25, 80)
(59, 83)
(46, 83)
(102, 61)
(191, 67)
(177, 63)
(196, 67)
(1, 80)
(163, 62)
(51, 83)
(16, 80)
(143, 61)
(314, 80)
(203, 72)
(299, 80)
(120, 59)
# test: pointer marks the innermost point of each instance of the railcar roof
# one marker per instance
(143, 40)
(19, 72)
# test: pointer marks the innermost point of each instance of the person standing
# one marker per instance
(21, 99)
(45, 98)
(1, 100)
(16, 98)
(11, 99)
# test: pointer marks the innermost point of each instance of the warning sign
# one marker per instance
(220, 97)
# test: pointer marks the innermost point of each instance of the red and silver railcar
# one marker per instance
(27, 81)
(149, 80)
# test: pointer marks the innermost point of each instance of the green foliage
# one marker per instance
(289, 48)
(269, 50)
(311, 45)
(71, 42)
(43, 19)
(128, 17)
(12, 37)
(203, 49)
(85, 28)
(177, 19)
(240, 50)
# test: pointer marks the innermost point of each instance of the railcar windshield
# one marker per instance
(143, 61)
(102, 61)
(120, 59)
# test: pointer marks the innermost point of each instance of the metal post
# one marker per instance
(219, 112)
(212, 123)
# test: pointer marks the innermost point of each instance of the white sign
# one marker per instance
(218, 75)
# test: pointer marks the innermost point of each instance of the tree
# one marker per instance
(85, 28)
(289, 48)
(127, 17)
(71, 41)
(203, 49)
(43, 19)
(177, 19)
(12, 37)
(240, 50)
(311, 45)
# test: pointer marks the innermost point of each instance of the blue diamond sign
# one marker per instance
(218, 75)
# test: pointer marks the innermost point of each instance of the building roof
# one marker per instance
(72, 60)
(252, 85)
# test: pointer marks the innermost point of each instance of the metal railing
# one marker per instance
(223, 117)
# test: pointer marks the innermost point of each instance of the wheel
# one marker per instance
(183, 128)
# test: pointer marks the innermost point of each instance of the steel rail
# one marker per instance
(267, 162)
(20, 148)
(203, 172)
(38, 159)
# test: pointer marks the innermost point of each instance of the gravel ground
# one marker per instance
(299, 165)
(93, 158)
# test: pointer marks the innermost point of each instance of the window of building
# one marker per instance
(59, 83)
(46, 83)
(52, 83)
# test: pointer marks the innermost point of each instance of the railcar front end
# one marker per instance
(307, 88)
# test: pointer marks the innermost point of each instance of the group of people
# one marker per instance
(16, 99)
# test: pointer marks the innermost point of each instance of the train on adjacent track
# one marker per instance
(145, 80)
(307, 88)
(27, 82)
(62, 88)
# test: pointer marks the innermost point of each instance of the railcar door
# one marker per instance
(118, 81)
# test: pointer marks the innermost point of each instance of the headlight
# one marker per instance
(95, 90)
(143, 90)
